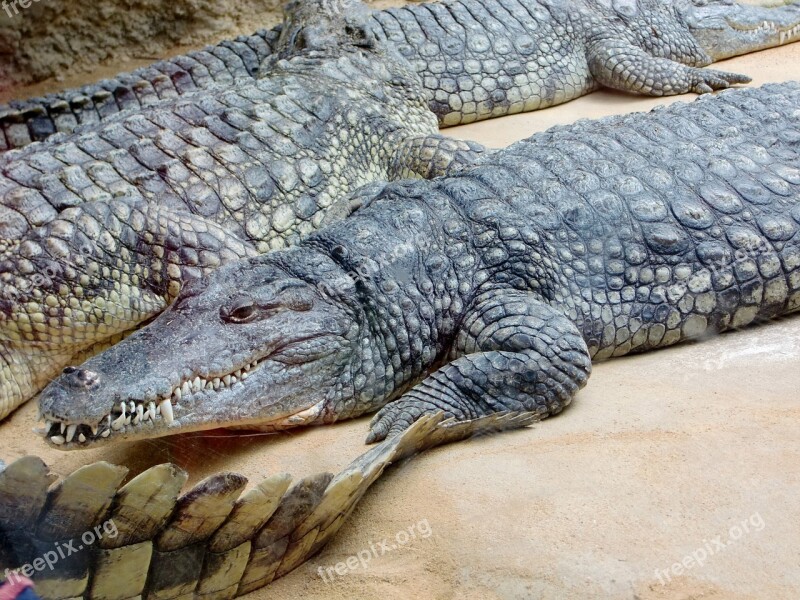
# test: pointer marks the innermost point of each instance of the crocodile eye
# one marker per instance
(241, 312)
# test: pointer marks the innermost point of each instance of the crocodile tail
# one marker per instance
(89, 535)
(36, 119)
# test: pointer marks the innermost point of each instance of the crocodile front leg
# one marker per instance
(620, 65)
(97, 271)
(513, 353)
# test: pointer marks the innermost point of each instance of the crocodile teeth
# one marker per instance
(63, 428)
(123, 409)
(233, 379)
(94, 430)
(81, 438)
(185, 389)
(177, 395)
(245, 375)
(166, 412)
(71, 432)
(217, 383)
(139, 415)
(132, 407)
(226, 380)
(118, 423)
(48, 425)
(58, 440)
(106, 433)
(197, 385)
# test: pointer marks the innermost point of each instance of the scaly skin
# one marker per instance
(490, 290)
(478, 59)
(213, 542)
(99, 231)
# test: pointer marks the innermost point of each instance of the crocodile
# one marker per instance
(489, 290)
(217, 540)
(99, 230)
(250, 200)
(477, 58)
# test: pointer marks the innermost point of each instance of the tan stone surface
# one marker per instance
(658, 456)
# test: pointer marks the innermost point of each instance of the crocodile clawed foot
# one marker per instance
(396, 417)
(706, 81)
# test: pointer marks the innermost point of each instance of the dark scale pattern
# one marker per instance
(595, 245)
(209, 177)
(477, 59)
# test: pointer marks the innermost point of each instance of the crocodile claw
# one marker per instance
(705, 81)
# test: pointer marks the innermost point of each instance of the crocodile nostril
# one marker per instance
(81, 377)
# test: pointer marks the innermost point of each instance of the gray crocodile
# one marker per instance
(258, 165)
(477, 58)
(489, 290)
(98, 230)
(89, 536)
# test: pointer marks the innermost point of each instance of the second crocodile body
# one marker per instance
(477, 58)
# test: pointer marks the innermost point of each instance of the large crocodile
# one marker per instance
(99, 229)
(214, 164)
(87, 537)
(490, 290)
(477, 58)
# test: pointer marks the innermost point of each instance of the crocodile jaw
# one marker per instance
(724, 28)
(263, 395)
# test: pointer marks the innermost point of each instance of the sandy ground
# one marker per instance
(689, 455)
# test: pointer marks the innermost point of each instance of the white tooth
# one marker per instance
(185, 389)
(245, 375)
(178, 395)
(132, 407)
(48, 425)
(118, 423)
(216, 383)
(94, 430)
(81, 438)
(197, 384)
(71, 432)
(226, 380)
(166, 411)
(63, 428)
(123, 409)
(58, 440)
(158, 408)
(151, 411)
(233, 380)
(106, 433)
(139, 415)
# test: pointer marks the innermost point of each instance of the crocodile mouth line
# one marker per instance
(132, 416)
(785, 34)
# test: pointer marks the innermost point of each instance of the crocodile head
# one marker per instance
(323, 27)
(725, 28)
(269, 343)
